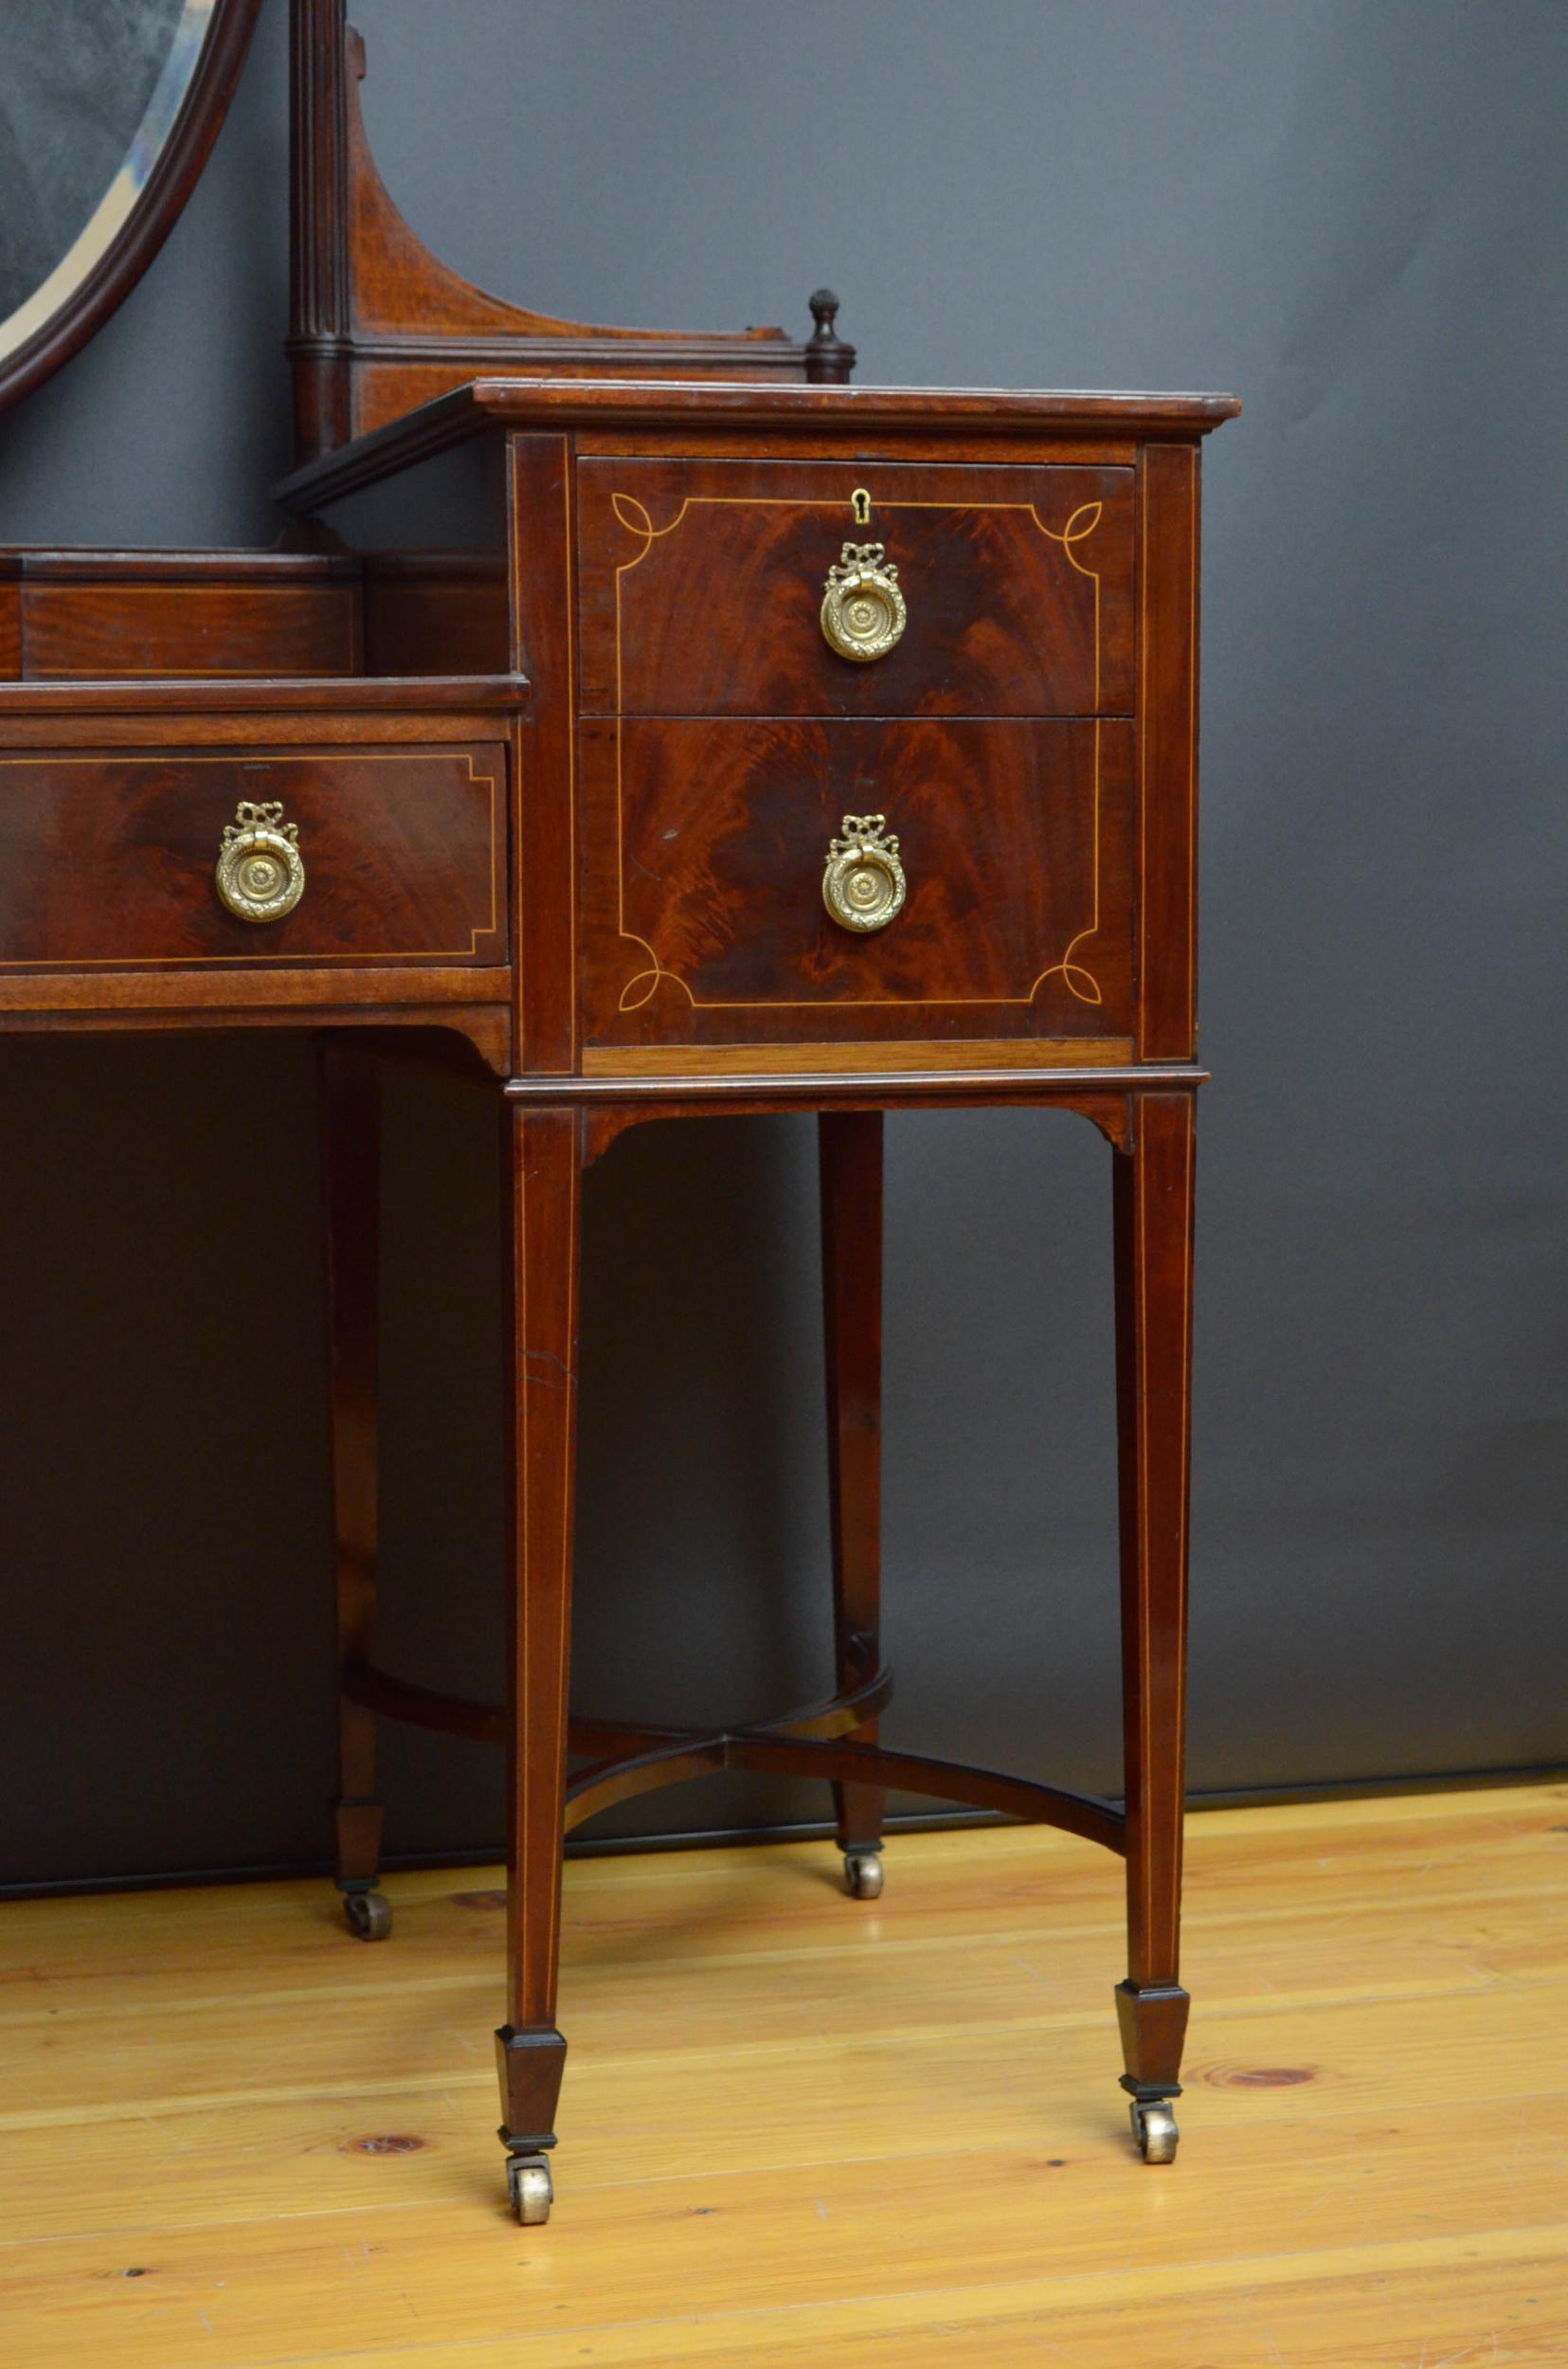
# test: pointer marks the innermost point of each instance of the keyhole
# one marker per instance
(861, 504)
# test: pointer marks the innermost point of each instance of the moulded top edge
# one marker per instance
(725, 406)
(240, 694)
(72, 563)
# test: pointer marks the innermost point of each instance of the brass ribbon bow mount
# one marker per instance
(260, 873)
(864, 885)
(863, 611)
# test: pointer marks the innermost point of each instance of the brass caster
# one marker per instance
(369, 1915)
(1154, 2127)
(864, 1874)
(529, 2187)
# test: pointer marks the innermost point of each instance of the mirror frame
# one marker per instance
(109, 280)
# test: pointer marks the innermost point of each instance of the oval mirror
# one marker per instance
(107, 111)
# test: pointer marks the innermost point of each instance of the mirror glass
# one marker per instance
(90, 91)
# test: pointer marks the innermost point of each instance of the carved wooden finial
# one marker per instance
(828, 359)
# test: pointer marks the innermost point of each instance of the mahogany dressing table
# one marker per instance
(648, 725)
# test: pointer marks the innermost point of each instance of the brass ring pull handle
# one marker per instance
(863, 880)
(863, 611)
(260, 872)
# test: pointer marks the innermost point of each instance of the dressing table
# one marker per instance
(643, 726)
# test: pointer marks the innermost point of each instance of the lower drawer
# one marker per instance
(706, 850)
(388, 854)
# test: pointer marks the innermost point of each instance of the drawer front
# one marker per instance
(703, 586)
(110, 858)
(706, 845)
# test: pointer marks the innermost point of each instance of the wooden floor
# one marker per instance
(803, 2131)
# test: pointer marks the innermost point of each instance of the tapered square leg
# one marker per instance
(542, 1164)
(850, 1161)
(350, 1131)
(1153, 1244)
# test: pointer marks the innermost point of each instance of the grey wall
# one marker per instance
(1340, 212)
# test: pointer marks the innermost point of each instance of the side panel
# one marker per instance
(543, 648)
(1167, 767)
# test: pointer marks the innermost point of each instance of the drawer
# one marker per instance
(110, 859)
(705, 848)
(702, 588)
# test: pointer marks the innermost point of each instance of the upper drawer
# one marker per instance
(703, 584)
(373, 854)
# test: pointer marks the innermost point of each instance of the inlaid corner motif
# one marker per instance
(1072, 535)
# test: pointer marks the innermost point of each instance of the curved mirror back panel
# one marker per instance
(107, 110)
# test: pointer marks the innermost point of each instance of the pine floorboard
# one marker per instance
(801, 2129)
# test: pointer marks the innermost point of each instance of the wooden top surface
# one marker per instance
(762, 407)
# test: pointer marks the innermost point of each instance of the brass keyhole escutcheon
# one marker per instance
(260, 873)
(863, 611)
(864, 885)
